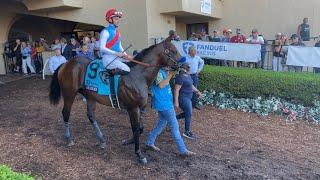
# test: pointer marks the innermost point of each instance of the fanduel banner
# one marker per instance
(225, 51)
(304, 56)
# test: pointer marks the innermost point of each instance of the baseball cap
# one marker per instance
(172, 32)
(254, 30)
(293, 36)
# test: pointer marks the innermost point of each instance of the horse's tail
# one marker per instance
(55, 91)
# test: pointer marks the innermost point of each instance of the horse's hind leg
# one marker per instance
(66, 115)
(91, 106)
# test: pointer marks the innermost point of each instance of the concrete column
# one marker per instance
(5, 24)
(2, 64)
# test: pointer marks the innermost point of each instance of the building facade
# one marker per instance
(146, 21)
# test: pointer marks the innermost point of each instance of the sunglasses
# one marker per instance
(118, 13)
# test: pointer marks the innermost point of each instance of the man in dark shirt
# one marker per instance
(304, 30)
(18, 55)
(66, 49)
(75, 47)
(215, 37)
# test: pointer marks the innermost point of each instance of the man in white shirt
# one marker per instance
(196, 65)
(56, 60)
(255, 39)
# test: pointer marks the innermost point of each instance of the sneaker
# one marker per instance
(152, 147)
(189, 135)
(188, 154)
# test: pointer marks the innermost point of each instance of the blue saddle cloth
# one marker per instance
(93, 81)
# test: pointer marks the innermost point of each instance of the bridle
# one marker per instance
(169, 54)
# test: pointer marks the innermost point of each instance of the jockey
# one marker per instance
(110, 45)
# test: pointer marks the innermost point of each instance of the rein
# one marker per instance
(166, 52)
(144, 64)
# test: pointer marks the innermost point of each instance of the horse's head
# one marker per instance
(170, 54)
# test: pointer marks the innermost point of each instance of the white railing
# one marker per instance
(45, 69)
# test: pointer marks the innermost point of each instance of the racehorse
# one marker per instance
(132, 92)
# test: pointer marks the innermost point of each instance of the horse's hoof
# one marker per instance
(143, 161)
(103, 145)
(70, 144)
(127, 142)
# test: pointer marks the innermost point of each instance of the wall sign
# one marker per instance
(206, 6)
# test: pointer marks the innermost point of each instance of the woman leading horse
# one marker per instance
(132, 92)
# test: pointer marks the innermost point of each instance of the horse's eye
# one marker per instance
(167, 51)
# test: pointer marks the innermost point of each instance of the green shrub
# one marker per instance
(252, 83)
(7, 174)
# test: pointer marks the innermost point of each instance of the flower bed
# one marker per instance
(262, 106)
(298, 88)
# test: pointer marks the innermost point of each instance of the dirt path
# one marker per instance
(231, 144)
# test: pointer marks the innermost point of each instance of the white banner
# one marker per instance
(225, 51)
(205, 6)
(304, 56)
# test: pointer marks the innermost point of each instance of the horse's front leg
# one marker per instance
(134, 114)
(131, 140)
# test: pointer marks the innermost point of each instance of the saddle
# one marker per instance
(102, 81)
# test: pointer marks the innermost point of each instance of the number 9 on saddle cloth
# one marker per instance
(99, 80)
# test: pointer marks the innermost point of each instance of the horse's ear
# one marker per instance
(168, 39)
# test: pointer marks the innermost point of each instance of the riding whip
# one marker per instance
(118, 56)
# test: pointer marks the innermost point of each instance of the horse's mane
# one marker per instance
(144, 52)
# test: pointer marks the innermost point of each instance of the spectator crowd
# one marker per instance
(27, 57)
(279, 46)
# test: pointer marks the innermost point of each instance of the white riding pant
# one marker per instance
(27, 62)
(117, 63)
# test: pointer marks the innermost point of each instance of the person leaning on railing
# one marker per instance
(296, 41)
(238, 38)
(255, 39)
(278, 54)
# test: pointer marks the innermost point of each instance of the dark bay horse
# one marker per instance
(132, 92)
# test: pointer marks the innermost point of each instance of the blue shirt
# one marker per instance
(88, 55)
(26, 51)
(55, 62)
(162, 98)
(186, 83)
